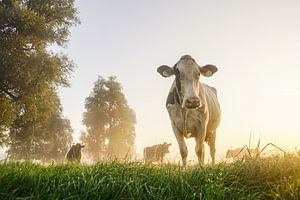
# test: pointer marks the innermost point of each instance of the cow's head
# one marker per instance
(187, 77)
(79, 146)
(166, 147)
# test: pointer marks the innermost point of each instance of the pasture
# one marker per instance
(264, 178)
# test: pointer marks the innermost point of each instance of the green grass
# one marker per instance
(267, 178)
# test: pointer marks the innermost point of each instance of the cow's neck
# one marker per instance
(202, 95)
(185, 112)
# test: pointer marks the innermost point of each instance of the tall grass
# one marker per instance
(265, 178)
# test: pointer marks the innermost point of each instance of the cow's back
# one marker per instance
(213, 107)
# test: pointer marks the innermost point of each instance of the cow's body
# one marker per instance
(189, 121)
(193, 107)
(74, 154)
(156, 153)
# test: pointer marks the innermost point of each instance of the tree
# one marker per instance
(46, 136)
(28, 70)
(109, 121)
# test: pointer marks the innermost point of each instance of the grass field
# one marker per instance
(265, 178)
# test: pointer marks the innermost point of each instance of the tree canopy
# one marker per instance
(30, 73)
(109, 121)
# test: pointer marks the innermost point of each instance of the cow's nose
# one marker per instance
(192, 102)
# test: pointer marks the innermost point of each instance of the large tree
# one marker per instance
(109, 121)
(29, 71)
(46, 136)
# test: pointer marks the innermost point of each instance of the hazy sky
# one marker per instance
(255, 45)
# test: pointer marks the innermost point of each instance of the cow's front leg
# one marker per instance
(181, 144)
(200, 150)
(182, 148)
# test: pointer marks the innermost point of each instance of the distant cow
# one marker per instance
(193, 107)
(74, 154)
(156, 152)
(240, 153)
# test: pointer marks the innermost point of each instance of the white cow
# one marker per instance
(193, 107)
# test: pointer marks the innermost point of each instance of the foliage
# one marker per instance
(46, 136)
(30, 73)
(267, 178)
(109, 121)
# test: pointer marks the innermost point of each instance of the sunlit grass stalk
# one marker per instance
(263, 178)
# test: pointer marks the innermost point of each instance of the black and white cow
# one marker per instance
(193, 107)
(74, 154)
(156, 153)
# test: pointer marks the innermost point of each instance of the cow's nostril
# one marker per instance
(193, 100)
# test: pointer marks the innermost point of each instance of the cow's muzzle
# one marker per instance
(192, 103)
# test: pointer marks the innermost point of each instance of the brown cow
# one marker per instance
(156, 152)
(240, 153)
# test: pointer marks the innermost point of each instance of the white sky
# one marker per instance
(255, 44)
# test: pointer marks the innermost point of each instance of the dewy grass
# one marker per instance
(265, 178)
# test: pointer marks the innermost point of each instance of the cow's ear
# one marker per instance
(208, 70)
(165, 71)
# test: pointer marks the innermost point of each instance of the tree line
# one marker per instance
(32, 124)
